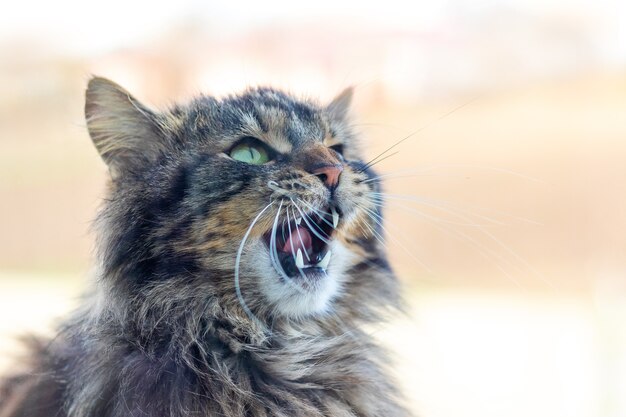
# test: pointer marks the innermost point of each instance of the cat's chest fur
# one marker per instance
(220, 373)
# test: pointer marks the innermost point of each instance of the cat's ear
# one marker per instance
(127, 134)
(340, 106)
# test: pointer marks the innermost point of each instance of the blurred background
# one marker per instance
(506, 213)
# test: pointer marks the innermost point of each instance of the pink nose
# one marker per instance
(329, 174)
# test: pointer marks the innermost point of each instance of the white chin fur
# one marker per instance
(292, 300)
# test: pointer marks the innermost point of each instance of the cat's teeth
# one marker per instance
(325, 261)
(299, 259)
(298, 221)
(335, 217)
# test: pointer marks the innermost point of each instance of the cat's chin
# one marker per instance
(311, 291)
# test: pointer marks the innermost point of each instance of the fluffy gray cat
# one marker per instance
(238, 261)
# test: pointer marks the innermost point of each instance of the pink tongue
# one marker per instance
(299, 239)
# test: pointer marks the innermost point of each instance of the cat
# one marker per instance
(238, 262)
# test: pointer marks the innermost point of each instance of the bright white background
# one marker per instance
(508, 214)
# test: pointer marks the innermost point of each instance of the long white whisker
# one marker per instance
(299, 236)
(282, 226)
(484, 168)
(321, 214)
(489, 254)
(440, 203)
(394, 176)
(378, 202)
(374, 233)
(378, 219)
(273, 251)
(439, 206)
(489, 235)
(427, 172)
(237, 262)
(381, 155)
(305, 217)
(293, 251)
(274, 254)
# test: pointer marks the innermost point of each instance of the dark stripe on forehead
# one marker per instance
(200, 118)
(292, 108)
(294, 135)
(304, 112)
(230, 118)
(259, 119)
(234, 108)
(299, 132)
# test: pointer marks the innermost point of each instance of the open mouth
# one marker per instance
(301, 244)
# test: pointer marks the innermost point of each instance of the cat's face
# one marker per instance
(258, 199)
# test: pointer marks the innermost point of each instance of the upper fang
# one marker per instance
(325, 261)
(335, 217)
(298, 221)
(299, 259)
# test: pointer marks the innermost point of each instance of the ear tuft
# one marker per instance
(339, 107)
(124, 131)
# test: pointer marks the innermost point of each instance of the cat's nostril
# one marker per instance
(329, 174)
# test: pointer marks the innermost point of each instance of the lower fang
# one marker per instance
(325, 261)
(335, 217)
(299, 259)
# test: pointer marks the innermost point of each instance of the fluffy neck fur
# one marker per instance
(201, 359)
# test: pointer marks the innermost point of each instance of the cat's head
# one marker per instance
(259, 201)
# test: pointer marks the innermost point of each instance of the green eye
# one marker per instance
(250, 154)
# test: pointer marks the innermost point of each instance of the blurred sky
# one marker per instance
(81, 27)
(552, 36)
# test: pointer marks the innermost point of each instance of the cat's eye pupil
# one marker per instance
(250, 153)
